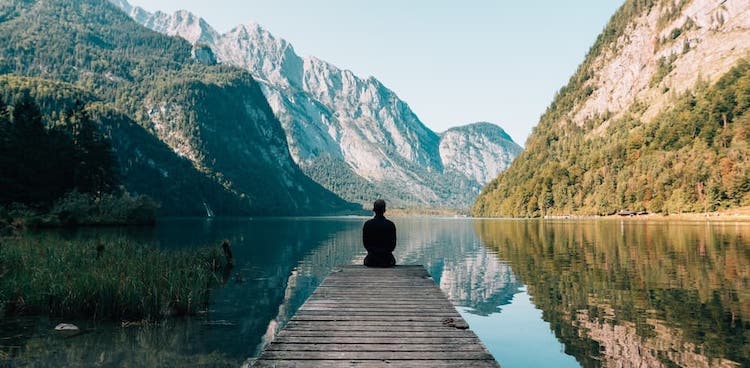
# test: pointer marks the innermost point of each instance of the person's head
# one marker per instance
(379, 207)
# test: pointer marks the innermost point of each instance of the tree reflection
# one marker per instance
(626, 293)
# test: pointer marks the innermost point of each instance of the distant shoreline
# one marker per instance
(735, 214)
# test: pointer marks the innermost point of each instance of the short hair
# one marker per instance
(378, 206)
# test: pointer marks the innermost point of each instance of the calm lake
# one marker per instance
(539, 293)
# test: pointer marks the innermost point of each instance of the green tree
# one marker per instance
(95, 168)
(5, 154)
(27, 155)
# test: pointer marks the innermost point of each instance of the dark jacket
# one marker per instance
(379, 238)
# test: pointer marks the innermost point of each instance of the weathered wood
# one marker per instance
(428, 318)
(432, 313)
(377, 355)
(376, 363)
(365, 317)
(382, 333)
(319, 302)
(365, 307)
(374, 347)
(366, 325)
(376, 340)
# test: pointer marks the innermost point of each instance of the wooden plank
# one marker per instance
(365, 325)
(345, 307)
(375, 363)
(446, 318)
(380, 313)
(366, 317)
(368, 306)
(386, 311)
(374, 347)
(375, 304)
(355, 333)
(398, 340)
(411, 299)
(381, 294)
(378, 355)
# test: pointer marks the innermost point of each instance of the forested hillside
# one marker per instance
(189, 134)
(71, 155)
(668, 147)
(135, 152)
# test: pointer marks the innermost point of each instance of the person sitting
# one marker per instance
(379, 238)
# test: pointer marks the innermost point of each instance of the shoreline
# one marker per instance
(740, 214)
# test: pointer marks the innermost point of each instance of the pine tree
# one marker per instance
(27, 118)
(5, 154)
(27, 154)
(95, 170)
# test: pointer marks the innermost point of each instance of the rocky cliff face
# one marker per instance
(181, 23)
(352, 135)
(479, 151)
(664, 52)
(654, 119)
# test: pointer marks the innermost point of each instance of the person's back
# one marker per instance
(379, 238)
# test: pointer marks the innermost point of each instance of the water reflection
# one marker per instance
(469, 274)
(607, 293)
(634, 294)
(279, 263)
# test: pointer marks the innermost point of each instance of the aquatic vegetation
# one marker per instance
(118, 279)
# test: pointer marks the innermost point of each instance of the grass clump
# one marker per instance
(90, 279)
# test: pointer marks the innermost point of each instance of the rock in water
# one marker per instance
(66, 327)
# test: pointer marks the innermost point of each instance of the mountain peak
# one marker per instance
(123, 5)
(354, 135)
(269, 58)
(483, 127)
(475, 149)
(181, 23)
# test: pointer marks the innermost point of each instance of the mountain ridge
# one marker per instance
(333, 117)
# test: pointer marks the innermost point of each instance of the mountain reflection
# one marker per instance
(467, 272)
(615, 294)
(635, 294)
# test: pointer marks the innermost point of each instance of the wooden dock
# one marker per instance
(370, 317)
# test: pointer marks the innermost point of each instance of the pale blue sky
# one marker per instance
(454, 62)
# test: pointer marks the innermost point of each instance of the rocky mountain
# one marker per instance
(655, 118)
(352, 135)
(479, 151)
(205, 132)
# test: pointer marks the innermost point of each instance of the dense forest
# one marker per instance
(188, 134)
(61, 172)
(692, 157)
(40, 165)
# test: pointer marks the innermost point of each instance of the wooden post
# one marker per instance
(228, 252)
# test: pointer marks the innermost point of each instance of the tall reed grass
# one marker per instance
(91, 279)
